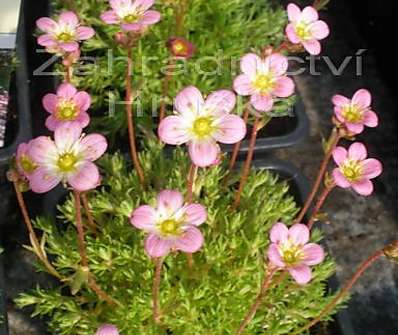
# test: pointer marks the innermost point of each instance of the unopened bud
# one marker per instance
(391, 251)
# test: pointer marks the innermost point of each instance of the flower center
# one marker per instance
(179, 47)
(303, 31)
(170, 228)
(352, 113)
(203, 126)
(66, 110)
(65, 37)
(352, 170)
(67, 162)
(291, 253)
(27, 164)
(131, 18)
(264, 82)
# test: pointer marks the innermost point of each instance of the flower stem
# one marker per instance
(259, 299)
(332, 143)
(83, 255)
(87, 210)
(319, 204)
(130, 122)
(190, 182)
(33, 237)
(179, 12)
(165, 91)
(156, 290)
(362, 268)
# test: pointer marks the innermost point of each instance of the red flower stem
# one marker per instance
(86, 206)
(166, 84)
(33, 237)
(321, 200)
(362, 268)
(190, 182)
(130, 122)
(249, 158)
(268, 279)
(332, 143)
(156, 290)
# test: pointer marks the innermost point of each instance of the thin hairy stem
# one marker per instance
(156, 290)
(321, 200)
(190, 182)
(87, 209)
(165, 91)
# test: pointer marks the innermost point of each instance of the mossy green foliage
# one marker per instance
(214, 296)
(222, 32)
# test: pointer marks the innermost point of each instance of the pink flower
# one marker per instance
(107, 329)
(202, 123)
(290, 250)
(264, 79)
(24, 162)
(63, 35)
(180, 47)
(69, 159)
(132, 15)
(67, 105)
(354, 170)
(305, 28)
(356, 113)
(172, 225)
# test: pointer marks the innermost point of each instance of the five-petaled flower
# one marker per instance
(264, 79)
(354, 169)
(290, 250)
(356, 113)
(67, 105)
(180, 47)
(172, 225)
(24, 162)
(132, 15)
(107, 329)
(64, 35)
(305, 28)
(69, 159)
(202, 123)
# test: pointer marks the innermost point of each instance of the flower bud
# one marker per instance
(391, 251)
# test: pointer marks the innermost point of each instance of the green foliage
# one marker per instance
(210, 299)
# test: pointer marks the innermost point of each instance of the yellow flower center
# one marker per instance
(179, 47)
(27, 164)
(352, 170)
(203, 126)
(264, 82)
(352, 113)
(291, 253)
(67, 162)
(131, 18)
(170, 228)
(65, 37)
(303, 31)
(66, 110)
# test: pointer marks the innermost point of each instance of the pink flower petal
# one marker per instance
(93, 146)
(363, 187)
(372, 168)
(203, 154)
(222, 101)
(284, 87)
(319, 30)
(371, 119)
(262, 103)
(173, 130)
(313, 254)
(50, 102)
(107, 329)
(231, 129)
(66, 91)
(156, 246)
(338, 113)
(66, 135)
(132, 26)
(46, 24)
(357, 151)
(279, 233)
(274, 256)
(52, 123)
(291, 34)
(189, 100)
(340, 100)
(85, 33)
(355, 128)
(41, 148)
(196, 214)
(299, 233)
(362, 98)
(312, 46)
(69, 18)
(301, 274)
(293, 12)
(250, 63)
(150, 17)
(191, 241)
(85, 178)
(144, 217)
(340, 154)
(110, 17)
(339, 179)
(117, 4)
(43, 180)
(69, 46)
(277, 64)
(84, 119)
(309, 14)
(243, 85)
(144, 4)
(169, 201)
(82, 100)
(46, 40)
